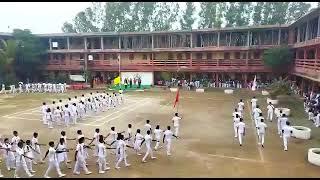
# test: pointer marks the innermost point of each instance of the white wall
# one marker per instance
(146, 77)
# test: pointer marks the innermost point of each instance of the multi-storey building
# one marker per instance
(216, 53)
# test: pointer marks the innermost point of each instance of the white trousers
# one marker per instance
(157, 144)
(235, 131)
(285, 142)
(10, 160)
(51, 165)
(67, 120)
(21, 166)
(149, 151)
(240, 137)
(29, 164)
(176, 130)
(168, 146)
(80, 163)
(270, 115)
(102, 163)
(261, 138)
(122, 156)
(279, 127)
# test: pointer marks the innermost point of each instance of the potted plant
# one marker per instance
(280, 87)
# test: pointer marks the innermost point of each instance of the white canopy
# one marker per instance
(77, 78)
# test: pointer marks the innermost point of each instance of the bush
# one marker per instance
(165, 76)
(280, 87)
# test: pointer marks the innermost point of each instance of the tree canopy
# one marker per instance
(278, 59)
(157, 16)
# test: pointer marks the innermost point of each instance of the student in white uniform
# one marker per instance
(102, 154)
(49, 118)
(236, 112)
(57, 114)
(167, 138)
(241, 127)
(53, 161)
(44, 108)
(64, 136)
(147, 126)
(287, 133)
(261, 128)
(317, 119)
(121, 150)
(279, 116)
(270, 108)
(62, 157)
(29, 151)
(283, 122)
(36, 146)
(21, 161)
(241, 107)
(95, 139)
(67, 115)
(113, 135)
(253, 103)
(137, 142)
(236, 120)
(157, 135)
(148, 140)
(129, 135)
(15, 140)
(256, 114)
(9, 155)
(80, 158)
(176, 122)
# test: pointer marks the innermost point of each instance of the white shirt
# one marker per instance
(254, 102)
(121, 147)
(129, 132)
(113, 135)
(262, 127)
(52, 154)
(157, 133)
(148, 139)
(241, 127)
(287, 131)
(28, 151)
(44, 109)
(283, 121)
(257, 112)
(15, 140)
(139, 137)
(147, 127)
(236, 121)
(240, 105)
(270, 108)
(80, 149)
(96, 138)
(19, 155)
(176, 120)
(168, 134)
(101, 150)
(234, 114)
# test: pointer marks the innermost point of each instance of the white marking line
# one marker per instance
(87, 124)
(30, 119)
(126, 107)
(252, 121)
(19, 112)
(236, 158)
(124, 113)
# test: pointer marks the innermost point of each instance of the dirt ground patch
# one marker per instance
(207, 147)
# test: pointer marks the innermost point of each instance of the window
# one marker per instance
(114, 56)
(144, 57)
(179, 56)
(131, 56)
(55, 57)
(209, 55)
(106, 57)
(256, 55)
(199, 55)
(237, 55)
(81, 56)
(188, 55)
(244, 55)
(311, 54)
(170, 56)
(300, 54)
(226, 55)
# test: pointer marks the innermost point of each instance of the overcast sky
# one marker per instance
(41, 17)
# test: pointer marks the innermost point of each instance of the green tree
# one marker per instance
(164, 16)
(68, 28)
(30, 54)
(211, 14)
(7, 56)
(147, 10)
(257, 13)
(297, 10)
(278, 59)
(243, 13)
(231, 13)
(187, 18)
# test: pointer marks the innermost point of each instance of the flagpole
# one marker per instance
(178, 101)
(119, 57)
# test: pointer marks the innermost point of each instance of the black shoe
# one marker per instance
(240, 144)
(262, 146)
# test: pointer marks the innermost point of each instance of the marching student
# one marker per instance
(157, 134)
(235, 113)
(241, 127)
(29, 151)
(96, 141)
(137, 142)
(53, 161)
(287, 133)
(21, 161)
(147, 139)
(49, 118)
(44, 108)
(15, 140)
(283, 122)
(64, 136)
(62, 157)
(67, 114)
(57, 114)
(241, 107)
(9, 155)
(102, 154)
(147, 126)
(261, 128)
(60, 104)
(279, 122)
(85, 152)
(167, 138)
(80, 158)
(74, 113)
(270, 108)
(254, 101)
(317, 119)
(113, 134)
(129, 135)
(121, 151)
(36, 146)
(256, 114)
(236, 120)
(176, 119)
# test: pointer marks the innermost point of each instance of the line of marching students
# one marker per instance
(74, 109)
(284, 129)
(21, 155)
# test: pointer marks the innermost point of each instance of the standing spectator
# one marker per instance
(130, 82)
(139, 82)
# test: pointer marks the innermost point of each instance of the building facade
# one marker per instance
(215, 53)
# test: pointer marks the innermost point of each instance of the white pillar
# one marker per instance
(152, 42)
(85, 43)
(191, 41)
(68, 43)
(318, 34)
(248, 38)
(119, 42)
(50, 43)
(218, 43)
(279, 36)
(101, 40)
(307, 31)
(298, 36)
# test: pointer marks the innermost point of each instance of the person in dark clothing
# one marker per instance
(139, 82)
(130, 82)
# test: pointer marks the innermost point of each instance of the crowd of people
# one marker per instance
(21, 155)
(284, 129)
(34, 88)
(312, 107)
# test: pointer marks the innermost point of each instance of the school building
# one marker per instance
(215, 53)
